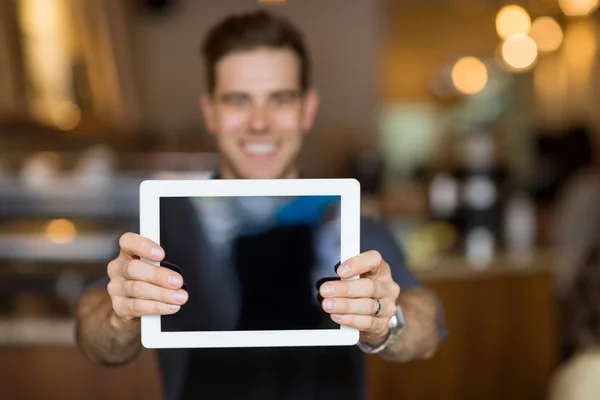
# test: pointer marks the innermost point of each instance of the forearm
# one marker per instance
(102, 338)
(421, 334)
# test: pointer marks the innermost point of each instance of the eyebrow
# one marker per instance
(287, 92)
(231, 95)
(283, 92)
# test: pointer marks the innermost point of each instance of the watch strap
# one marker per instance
(396, 326)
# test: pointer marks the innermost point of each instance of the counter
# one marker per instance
(39, 332)
(503, 344)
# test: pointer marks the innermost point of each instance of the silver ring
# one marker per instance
(377, 307)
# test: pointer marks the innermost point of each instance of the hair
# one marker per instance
(582, 314)
(251, 30)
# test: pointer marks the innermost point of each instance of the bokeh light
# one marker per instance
(547, 34)
(512, 19)
(66, 116)
(519, 52)
(60, 231)
(469, 75)
(577, 8)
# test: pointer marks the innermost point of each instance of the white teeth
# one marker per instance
(260, 149)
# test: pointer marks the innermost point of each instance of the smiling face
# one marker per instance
(258, 113)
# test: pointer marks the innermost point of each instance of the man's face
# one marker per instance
(258, 113)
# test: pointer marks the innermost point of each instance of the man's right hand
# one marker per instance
(139, 288)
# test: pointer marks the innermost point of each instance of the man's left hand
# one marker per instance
(353, 302)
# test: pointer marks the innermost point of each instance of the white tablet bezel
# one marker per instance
(152, 190)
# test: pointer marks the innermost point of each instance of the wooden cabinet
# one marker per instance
(502, 344)
(62, 373)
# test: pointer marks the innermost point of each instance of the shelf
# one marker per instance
(37, 332)
(84, 248)
(66, 198)
(458, 268)
(69, 196)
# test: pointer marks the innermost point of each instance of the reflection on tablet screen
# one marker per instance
(250, 263)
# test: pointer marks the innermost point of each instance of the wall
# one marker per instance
(420, 40)
(11, 87)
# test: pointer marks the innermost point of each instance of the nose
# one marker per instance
(259, 121)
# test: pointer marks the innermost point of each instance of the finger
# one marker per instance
(175, 268)
(134, 245)
(354, 288)
(372, 325)
(337, 266)
(146, 291)
(113, 269)
(321, 281)
(368, 262)
(138, 270)
(365, 306)
(125, 307)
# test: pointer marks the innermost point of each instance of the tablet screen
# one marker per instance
(251, 263)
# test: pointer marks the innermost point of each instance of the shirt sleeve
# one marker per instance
(375, 236)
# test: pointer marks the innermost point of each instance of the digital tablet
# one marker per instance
(252, 254)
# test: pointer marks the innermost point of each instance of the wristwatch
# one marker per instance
(396, 325)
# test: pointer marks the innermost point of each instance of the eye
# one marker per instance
(283, 98)
(236, 100)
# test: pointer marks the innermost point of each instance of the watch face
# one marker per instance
(399, 317)
(393, 322)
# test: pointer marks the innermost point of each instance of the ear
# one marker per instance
(208, 112)
(310, 109)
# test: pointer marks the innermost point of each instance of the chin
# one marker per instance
(274, 166)
(254, 174)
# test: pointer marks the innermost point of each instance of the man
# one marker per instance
(259, 106)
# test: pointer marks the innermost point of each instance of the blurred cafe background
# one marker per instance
(473, 127)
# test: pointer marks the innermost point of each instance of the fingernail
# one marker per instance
(157, 252)
(337, 317)
(344, 270)
(179, 297)
(330, 305)
(173, 307)
(175, 281)
(327, 289)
